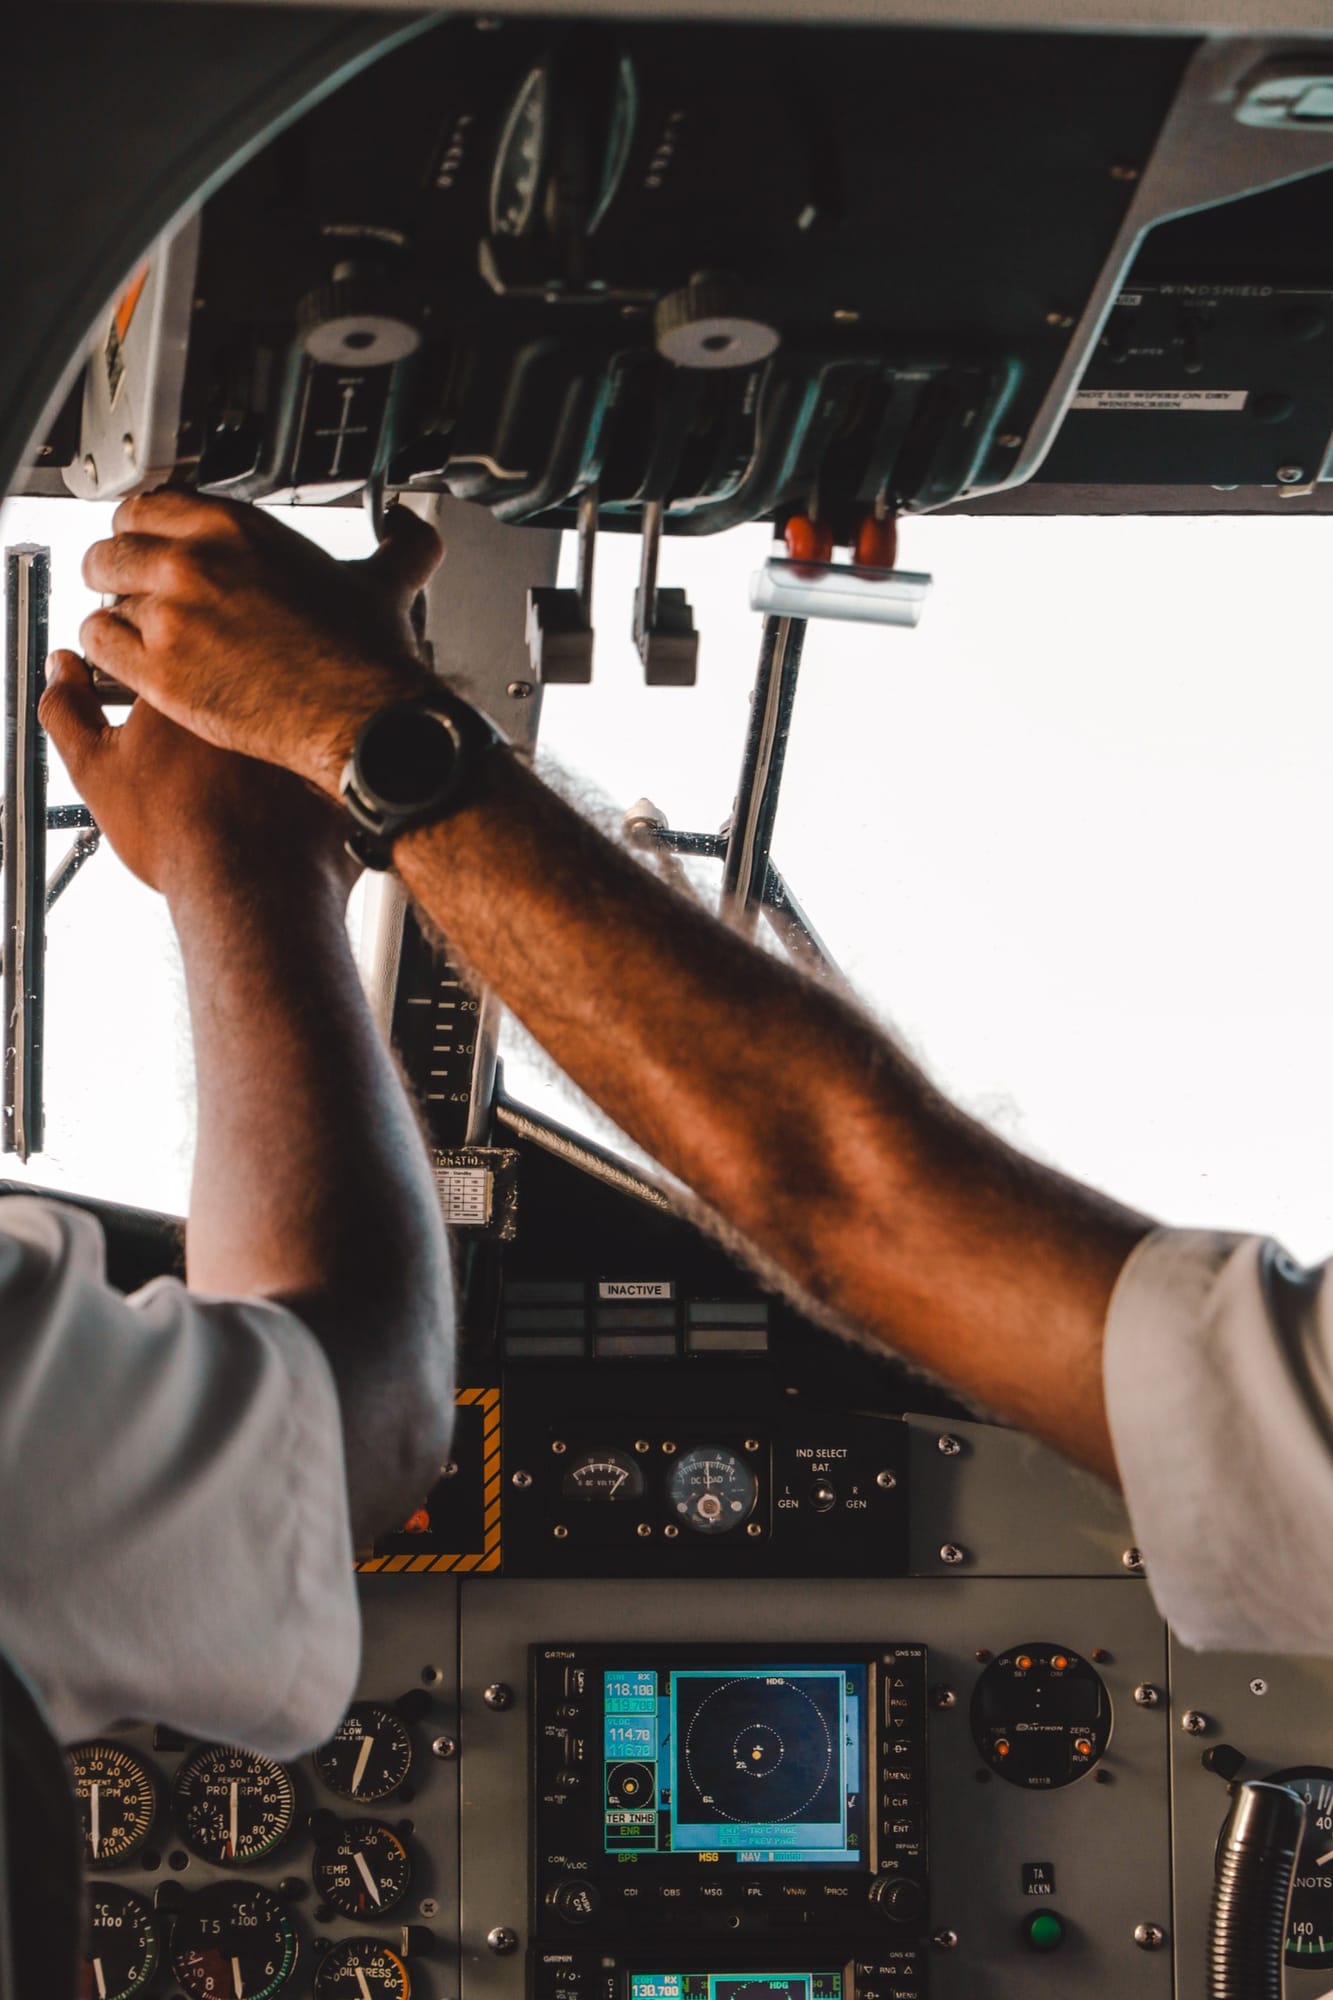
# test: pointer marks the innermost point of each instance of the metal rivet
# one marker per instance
(1102, 1776)
(1258, 1686)
(754, 1529)
(888, 1480)
(444, 1747)
(982, 1654)
(430, 1675)
(560, 1532)
(951, 1553)
(944, 1940)
(1146, 1695)
(641, 1444)
(1290, 475)
(752, 1444)
(643, 1529)
(1193, 1722)
(519, 690)
(498, 1695)
(1149, 1937)
(502, 1941)
(947, 1446)
(1132, 1560)
(671, 1531)
(522, 1480)
(669, 1448)
(943, 1697)
(1100, 1655)
(558, 1446)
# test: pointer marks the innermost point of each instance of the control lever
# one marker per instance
(1256, 1867)
(560, 634)
(378, 514)
(663, 621)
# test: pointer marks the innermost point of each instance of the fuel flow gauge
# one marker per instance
(369, 1756)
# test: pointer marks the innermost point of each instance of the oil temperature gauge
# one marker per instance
(370, 1755)
(363, 1870)
(712, 1489)
(233, 1944)
(117, 1802)
(603, 1475)
(121, 1949)
(234, 1807)
(359, 1967)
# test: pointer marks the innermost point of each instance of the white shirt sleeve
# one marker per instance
(174, 1534)
(1219, 1389)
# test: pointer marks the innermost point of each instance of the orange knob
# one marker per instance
(807, 540)
(876, 543)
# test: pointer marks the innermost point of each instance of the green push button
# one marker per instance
(1045, 1931)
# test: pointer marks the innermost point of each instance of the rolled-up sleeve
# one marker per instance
(1219, 1389)
(174, 1533)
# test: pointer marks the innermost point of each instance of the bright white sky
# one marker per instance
(1070, 839)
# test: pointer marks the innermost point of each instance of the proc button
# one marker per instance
(1044, 1931)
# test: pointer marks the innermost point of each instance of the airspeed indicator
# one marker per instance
(1310, 1918)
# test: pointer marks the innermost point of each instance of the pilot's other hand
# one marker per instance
(240, 629)
(182, 815)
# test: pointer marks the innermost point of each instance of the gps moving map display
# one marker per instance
(763, 1764)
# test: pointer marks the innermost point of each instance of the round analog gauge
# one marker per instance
(362, 1966)
(1310, 1920)
(519, 158)
(121, 1949)
(1041, 1716)
(117, 1801)
(233, 1944)
(370, 1756)
(364, 1870)
(712, 1489)
(233, 1806)
(603, 1475)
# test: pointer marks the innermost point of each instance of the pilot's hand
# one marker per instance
(183, 816)
(243, 631)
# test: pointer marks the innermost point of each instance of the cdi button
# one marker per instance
(1044, 1932)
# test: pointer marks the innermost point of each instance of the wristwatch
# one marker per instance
(413, 763)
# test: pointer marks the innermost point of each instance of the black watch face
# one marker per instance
(408, 759)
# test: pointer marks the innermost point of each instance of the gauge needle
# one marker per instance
(361, 1982)
(1322, 1860)
(100, 1977)
(236, 1979)
(95, 1832)
(363, 1758)
(231, 1823)
(368, 1878)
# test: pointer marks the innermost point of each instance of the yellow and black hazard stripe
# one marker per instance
(487, 1557)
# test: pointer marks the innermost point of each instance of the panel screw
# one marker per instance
(943, 1697)
(519, 690)
(1132, 1560)
(643, 1529)
(641, 1444)
(888, 1480)
(668, 1447)
(1124, 173)
(1149, 1937)
(1193, 1722)
(429, 1907)
(502, 1941)
(671, 1531)
(752, 1444)
(1146, 1695)
(449, 1471)
(522, 1480)
(558, 1446)
(753, 1528)
(1290, 475)
(498, 1695)
(951, 1553)
(982, 1655)
(948, 1447)
(444, 1747)
(944, 1940)
(1258, 1687)
(1100, 1656)
(1061, 319)
(560, 1533)
(1102, 1775)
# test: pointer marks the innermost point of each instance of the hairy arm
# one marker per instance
(311, 1184)
(788, 1112)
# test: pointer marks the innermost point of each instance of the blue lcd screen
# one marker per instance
(756, 1765)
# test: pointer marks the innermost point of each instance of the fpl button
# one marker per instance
(1044, 1932)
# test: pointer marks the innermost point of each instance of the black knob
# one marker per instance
(574, 1902)
(897, 1898)
(823, 1496)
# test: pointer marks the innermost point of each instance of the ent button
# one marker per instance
(1044, 1932)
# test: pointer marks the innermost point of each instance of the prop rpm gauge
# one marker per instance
(233, 1944)
(1041, 1716)
(712, 1490)
(363, 1870)
(370, 1756)
(117, 1802)
(1310, 1919)
(603, 1475)
(233, 1806)
(361, 1967)
(121, 1950)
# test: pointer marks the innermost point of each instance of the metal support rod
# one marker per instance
(27, 594)
(795, 929)
(649, 550)
(82, 849)
(587, 548)
(745, 868)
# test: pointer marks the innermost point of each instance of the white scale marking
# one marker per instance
(367, 1878)
(363, 1758)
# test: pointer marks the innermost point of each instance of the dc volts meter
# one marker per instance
(738, 1792)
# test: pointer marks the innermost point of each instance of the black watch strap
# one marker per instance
(413, 763)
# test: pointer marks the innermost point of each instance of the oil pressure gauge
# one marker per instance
(233, 1806)
(362, 1966)
(370, 1755)
(121, 1950)
(712, 1490)
(117, 1802)
(363, 1870)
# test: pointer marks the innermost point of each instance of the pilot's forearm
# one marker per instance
(786, 1111)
